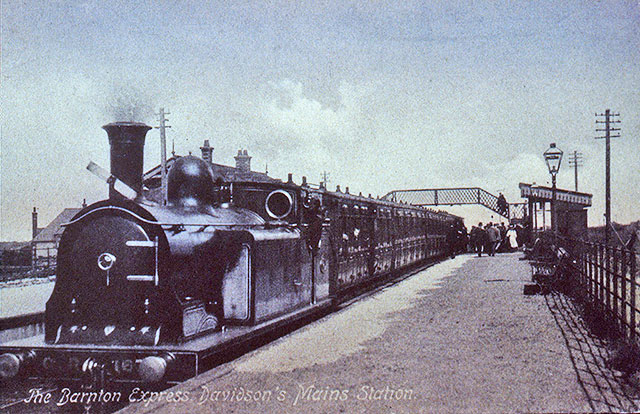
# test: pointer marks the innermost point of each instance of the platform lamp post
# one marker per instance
(553, 158)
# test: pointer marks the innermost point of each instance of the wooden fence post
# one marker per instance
(623, 294)
(616, 294)
(592, 287)
(633, 297)
(599, 254)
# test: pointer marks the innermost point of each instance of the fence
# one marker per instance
(607, 277)
(9, 273)
(43, 256)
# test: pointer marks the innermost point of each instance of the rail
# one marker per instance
(607, 276)
(19, 321)
(21, 326)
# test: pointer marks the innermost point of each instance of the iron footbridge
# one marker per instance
(458, 196)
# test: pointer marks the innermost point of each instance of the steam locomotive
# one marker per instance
(145, 292)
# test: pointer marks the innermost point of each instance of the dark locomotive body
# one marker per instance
(146, 291)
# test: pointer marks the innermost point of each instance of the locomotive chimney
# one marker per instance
(126, 140)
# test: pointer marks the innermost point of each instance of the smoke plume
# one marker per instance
(131, 104)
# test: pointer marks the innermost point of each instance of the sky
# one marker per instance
(382, 95)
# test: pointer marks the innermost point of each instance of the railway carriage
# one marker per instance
(147, 292)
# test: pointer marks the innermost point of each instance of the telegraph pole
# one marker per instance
(609, 121)
(575, 161)
(163, 153)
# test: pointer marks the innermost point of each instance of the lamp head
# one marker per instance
(553, 158)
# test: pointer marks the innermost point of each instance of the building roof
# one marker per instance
(53, 231)
(229, 174)
(155, 172)
(151, 178)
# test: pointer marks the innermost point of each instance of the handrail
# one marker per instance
(153, 222)
(454, 196)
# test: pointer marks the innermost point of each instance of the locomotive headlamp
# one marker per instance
(106, 261)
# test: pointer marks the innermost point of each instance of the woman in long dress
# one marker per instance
(512, 238)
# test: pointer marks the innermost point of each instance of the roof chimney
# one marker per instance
(207, 152)
(243, 161)
(34, 223)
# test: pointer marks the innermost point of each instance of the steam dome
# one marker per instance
(190, 182)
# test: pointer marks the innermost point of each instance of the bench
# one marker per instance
(545, 274)
(539, 251)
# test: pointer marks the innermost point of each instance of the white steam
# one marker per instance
(129, 103)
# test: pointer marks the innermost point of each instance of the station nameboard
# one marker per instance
(545, 193)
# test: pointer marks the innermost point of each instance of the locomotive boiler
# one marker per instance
(148, 292)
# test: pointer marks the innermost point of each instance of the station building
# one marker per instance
(571, 209)
(44, 245)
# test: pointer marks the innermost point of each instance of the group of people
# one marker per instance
(457, 238)
(491, 238)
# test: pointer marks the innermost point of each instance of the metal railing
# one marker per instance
(457, 196)
(518, 211)
(607, 276)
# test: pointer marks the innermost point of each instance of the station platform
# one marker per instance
(24, 297)
(458, 337)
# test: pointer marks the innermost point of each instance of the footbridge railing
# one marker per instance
(458, 196)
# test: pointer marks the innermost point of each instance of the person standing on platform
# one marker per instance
(461, 238)
(520, 234)
(493, 238)
(478, 239)
(451, 240)
(473, 238)
(503, 245)
(512, 238)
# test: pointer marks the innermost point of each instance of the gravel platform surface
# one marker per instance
(25, 296)
(459, 337)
